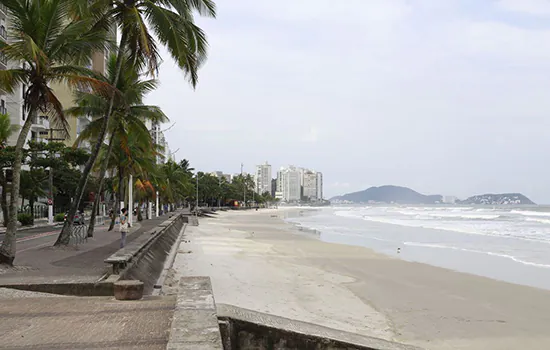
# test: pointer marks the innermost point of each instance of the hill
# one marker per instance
(498, 199)
(389, 194)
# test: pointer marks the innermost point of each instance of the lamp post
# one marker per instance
(197, 196)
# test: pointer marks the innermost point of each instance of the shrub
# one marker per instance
(25, 219)
(59, 217)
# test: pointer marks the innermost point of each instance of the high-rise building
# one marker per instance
(262, 178)
(289, 184)
(319, 186)
(309, 185)
(12, 104)
(273, 187)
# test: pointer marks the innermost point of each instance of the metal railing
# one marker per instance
(3, 32)
(79, 234)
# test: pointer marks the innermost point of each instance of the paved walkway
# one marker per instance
(37, 259)
(85, 323)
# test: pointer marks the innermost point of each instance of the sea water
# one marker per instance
(506, 243)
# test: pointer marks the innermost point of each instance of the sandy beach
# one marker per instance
(257, 261)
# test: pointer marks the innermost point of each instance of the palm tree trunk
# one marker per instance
(101, 184)
(65, 235)
(4, 198)
(120, 197)
(139, 216)
(8, 248)
(31, 205)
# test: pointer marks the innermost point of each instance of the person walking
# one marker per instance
(123, 227)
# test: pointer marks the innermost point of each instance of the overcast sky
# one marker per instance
(444, 96)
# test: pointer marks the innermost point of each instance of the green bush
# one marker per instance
(25, 219)
(59, 217)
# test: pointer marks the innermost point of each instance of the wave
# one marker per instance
(466, 216)
(530, 213)
(542, 221)
(501, 255)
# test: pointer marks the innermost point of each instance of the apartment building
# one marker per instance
(262, 178)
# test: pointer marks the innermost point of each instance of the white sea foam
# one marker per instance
(501, 255)
(530, 213)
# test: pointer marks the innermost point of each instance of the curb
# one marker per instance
(26, 228)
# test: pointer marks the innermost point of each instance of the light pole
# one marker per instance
(197, 197)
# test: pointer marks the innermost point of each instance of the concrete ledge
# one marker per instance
(194, 324)
(245, 329)
(128, 290)
(76, 288)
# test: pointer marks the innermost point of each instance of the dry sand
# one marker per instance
(259, 262)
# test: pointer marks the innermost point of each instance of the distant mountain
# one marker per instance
(388, 194)
(497, 199)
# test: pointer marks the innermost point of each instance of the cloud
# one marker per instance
(442, 96)
(531, 7)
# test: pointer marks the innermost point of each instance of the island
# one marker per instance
(497, 199)
(388, 194)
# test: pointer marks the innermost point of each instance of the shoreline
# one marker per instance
(258, 261)
(415, 246)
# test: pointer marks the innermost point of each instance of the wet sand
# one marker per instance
(259, 262)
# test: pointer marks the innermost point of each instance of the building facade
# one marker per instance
(319, 185)
(309, 184)
(262, 178)
(289, 184)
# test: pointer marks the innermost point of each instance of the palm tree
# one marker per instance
(6, 161)
(175, 183)
(172, 21)
(52, 42)
(129, 113)
(135, 154)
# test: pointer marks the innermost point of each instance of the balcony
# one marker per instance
(3, 110)
(3, 32)
(39, 123)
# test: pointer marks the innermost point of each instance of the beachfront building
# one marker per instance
(220, 175)
(262, 178)
(12, 104)
(319, 186)
(309, 185)
(289, 184)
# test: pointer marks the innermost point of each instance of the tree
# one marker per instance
(33, 185)
(130, 114)
(52, 42)
(172, 21)
(7, 156)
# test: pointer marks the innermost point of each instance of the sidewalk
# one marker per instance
(85, 323)
(40, 262)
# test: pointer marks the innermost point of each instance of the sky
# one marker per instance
(443, 96)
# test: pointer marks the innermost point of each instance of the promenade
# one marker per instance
(47, 321)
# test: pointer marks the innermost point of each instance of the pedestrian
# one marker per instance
(123, 227)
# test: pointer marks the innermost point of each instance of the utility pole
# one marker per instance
(197, 199)
(50, 176)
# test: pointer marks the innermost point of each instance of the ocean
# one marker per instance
(510, 244)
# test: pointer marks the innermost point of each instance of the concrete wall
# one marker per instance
(244, 329)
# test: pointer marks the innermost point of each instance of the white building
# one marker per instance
(289, 184)
(262, 178)
(158, 139)
(220, 175)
